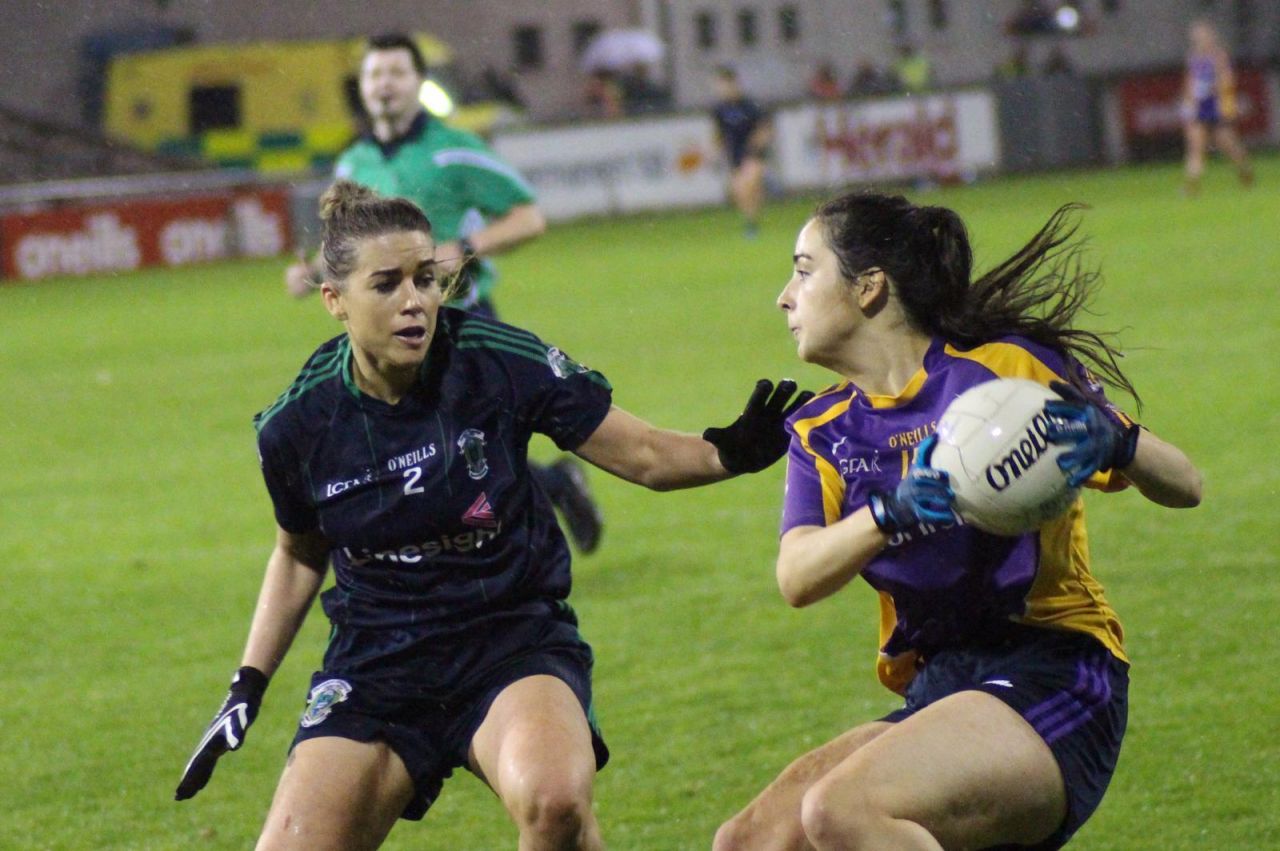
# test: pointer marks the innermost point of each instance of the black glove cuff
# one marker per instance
(250, 682)
(1126, 447)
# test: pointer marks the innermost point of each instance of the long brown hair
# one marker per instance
(1037, 293)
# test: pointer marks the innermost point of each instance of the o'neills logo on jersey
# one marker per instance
(462, 542)
(1010, 468)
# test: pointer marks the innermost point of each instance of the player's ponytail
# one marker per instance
(925, 251)
(350, 213)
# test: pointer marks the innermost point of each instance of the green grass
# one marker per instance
(135, 529)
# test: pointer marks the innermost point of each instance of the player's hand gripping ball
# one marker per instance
(923, 496)
(994, 443)
(1095, 440)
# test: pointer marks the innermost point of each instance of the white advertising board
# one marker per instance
(618, 168)
(941, 136)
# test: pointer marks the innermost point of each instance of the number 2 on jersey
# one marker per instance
(411, 475)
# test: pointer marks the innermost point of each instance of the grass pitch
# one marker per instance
(136, 529)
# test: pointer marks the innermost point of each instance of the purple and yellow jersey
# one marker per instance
(1213, 99)
(944, 586)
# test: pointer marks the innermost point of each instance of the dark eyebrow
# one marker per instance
(795, 258)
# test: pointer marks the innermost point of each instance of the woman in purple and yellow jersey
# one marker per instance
(1010, 660)
(1209, 106)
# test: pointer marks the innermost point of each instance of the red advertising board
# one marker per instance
(1151, 104)
(88, 239)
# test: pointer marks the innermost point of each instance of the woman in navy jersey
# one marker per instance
(1010, 660)
(1209, 106)
(399, 456)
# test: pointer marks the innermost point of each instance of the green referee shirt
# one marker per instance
(455, 178)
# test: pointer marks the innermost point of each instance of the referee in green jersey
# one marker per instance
(478, 205)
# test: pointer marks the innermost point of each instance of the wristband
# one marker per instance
(468, 248)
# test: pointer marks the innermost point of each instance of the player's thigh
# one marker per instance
(1197, 135)
(969, 769)
(336, 793)
(772, 819)
(534, 741)
(751, 172)
(1227, 140)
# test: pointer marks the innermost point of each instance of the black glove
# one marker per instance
(756, 439)
(1099, 442)
(226, 732)
(923, 496)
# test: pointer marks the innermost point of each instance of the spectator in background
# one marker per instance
(1057, 63)
(1209, 106)
(1032, 17)
(824, 85)
(744, 133)
(870, 80)
(603, 95)
(1016, 66)
(501, 87)
(912, 69)
(640, 94)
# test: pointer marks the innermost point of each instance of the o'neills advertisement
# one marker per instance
(103, 238)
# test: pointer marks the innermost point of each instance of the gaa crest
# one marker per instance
(322, 699)
(471, 445)
(563, 365)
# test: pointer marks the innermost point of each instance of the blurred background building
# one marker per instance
(602, 103)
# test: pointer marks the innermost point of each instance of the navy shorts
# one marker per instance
(430, 732)
(1067, 686)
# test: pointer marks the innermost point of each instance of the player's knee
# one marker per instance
(834, 818)
(556, 813)
(733, 835)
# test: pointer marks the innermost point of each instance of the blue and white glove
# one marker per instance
(1098, 442)
(226, 731)
(923, 496)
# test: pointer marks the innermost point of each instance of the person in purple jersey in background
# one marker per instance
(1010, 660)
(1209, 107)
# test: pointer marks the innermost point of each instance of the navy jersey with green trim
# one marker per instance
(435, 524)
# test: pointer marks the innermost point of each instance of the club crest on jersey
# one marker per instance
(563, 365)
(480, 513)
(322, 699)
(471, 445)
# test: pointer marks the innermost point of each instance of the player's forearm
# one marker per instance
(520, 224)
(658, 459)
(288, 589)
(814, 562)
(1163, 473)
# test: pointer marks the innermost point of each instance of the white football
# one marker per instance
(991, 442)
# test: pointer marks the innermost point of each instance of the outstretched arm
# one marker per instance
(630, 448)
(656, 458)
